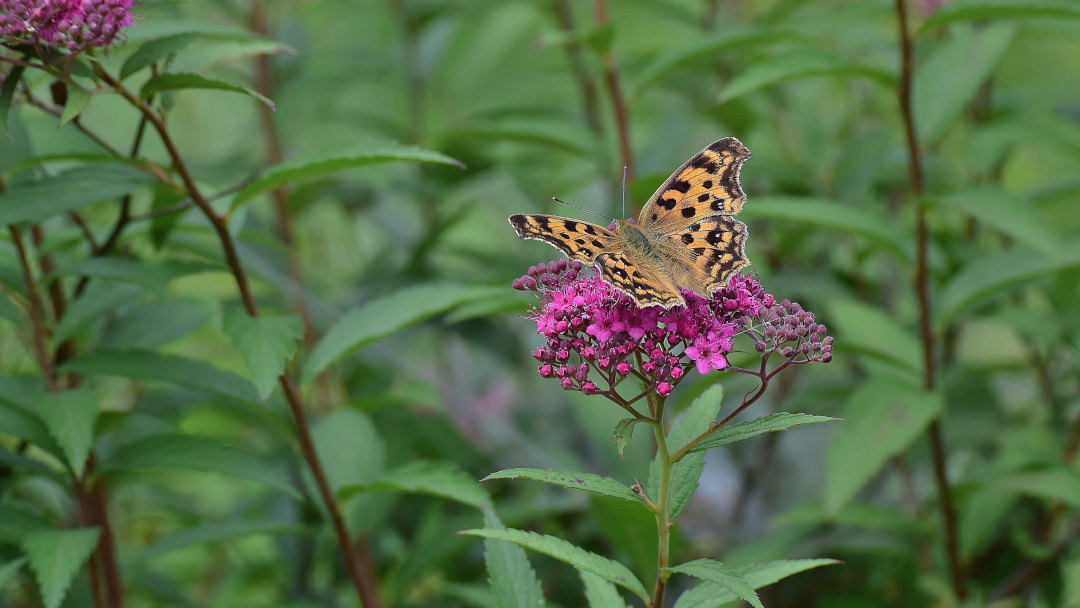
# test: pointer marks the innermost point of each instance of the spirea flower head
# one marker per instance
(595, 336)
(63, 24)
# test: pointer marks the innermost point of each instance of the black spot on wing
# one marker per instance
(571, 225)
(707, 184)
(666, 203)
(689, 212)
(714, 237)
(687, 238)
(680, 186)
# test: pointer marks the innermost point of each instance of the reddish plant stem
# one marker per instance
(359, 572)
(37, 318)
(922, 291)
(614, 88)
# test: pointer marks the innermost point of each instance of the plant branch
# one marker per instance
(37, 317)
(363, 585)
(663, 502)
(922, 291)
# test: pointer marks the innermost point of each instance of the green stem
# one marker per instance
(663, 500)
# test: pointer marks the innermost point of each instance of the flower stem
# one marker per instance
(663, 501)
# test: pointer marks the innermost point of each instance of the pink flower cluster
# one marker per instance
(63, 24)
(595, 333)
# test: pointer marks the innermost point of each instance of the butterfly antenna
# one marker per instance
(624, 190)
(559, 200)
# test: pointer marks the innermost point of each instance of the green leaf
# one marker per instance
(843, 218)
(868, 330)
(17, 417)
(56, 556)
(152, 51)
(151, 29)
(624, 430)
(7, 93)
(607, 569)
(695, 48)
(886, 417)
(685, 474)
(513, 581)
(995, 274)
(151, 277)
(951, 77)
(77, 100)
(1006, 212)
(981, 10)
(600, 593)
(150, 324)
(595, 484)
(210, 54)
(172, 369)
(173, 452)
(99, 299)
(350, 448)
(1058, 484)
(384, 316)
(38, 200)
(266, 344)
(174, 82)
(804, 63)
(442, 479)
(217, 532)
(70, 417)
(720, 574)
(709, 595)
(330, 161)
(16, 524)
(780, 421)
(9, 570)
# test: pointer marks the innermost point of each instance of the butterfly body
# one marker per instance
(685, 237)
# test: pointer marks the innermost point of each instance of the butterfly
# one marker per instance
(686, 235)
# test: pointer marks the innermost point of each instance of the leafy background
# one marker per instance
(397, 261)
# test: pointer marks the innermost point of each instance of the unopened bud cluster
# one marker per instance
(63, 24)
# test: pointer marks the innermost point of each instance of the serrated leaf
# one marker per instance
(513, 581)
(172, 369)
(869, 331)
(56, 556)
(77, 100)
(685, 473)
(886, 417)
(607, 569)
(267, 344)
(174, 452)
(595, 484)
(9, 570)
(996, 274)
(175, 82)
(442, 479)
(740, 431)
(981, 10)
(151, 51)
(384, 316)
(799, 64)
(695, 48)
(38, 200)
(330, 161)
(7, 93)
(217, 532)
(709, 595)
(719, 574)
(949, 79)
(600, 593)
(1006, 212)
(844, 219)
(70, 417)
(624, 430)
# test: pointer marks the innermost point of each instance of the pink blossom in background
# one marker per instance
(63, 24)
